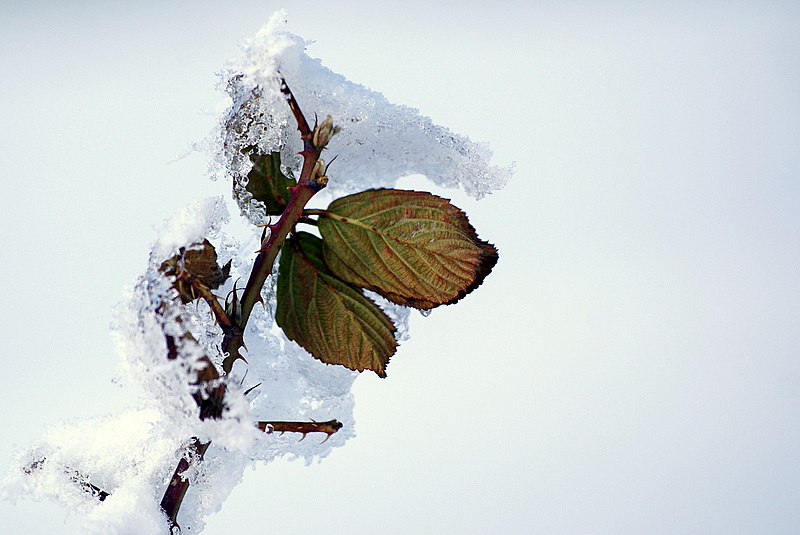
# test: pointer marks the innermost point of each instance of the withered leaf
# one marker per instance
(196, 264)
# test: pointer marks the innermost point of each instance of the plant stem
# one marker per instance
(311, 181)
(176, 490)
(316, 212)
(330, 427)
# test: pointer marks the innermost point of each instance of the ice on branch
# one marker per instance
(127, 459)
(379, 143)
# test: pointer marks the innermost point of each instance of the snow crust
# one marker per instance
(379, 143)
(131, 456)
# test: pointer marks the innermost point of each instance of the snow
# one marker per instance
(132, 455)
(379, 143)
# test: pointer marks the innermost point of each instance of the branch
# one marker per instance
(302, 124)
(312, 179)
(330, 427)
(76, 477)
(211, 389)
(176, 490)
(195, 451)
(178, 485)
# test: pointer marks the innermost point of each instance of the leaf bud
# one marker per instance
(318, 174)
(319, 168)
(324, 132)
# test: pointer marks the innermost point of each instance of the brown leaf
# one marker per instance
(196, 264)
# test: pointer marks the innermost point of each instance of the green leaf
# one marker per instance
(329, 318)
(413, 248)
(267, 183)
(196, 264)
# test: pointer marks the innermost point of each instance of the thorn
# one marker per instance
(251, 389)
(325, 172)
(304, 436)
(326, 439)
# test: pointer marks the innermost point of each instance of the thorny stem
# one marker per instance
(176, 490)
(195, 450)
(330, 427)
(308, 185)
(302, 124)
(209, 397)
(311, 181)
(210, 387)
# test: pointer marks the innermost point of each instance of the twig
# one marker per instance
(330, 427)
(311, 181)
(302, 124)
(195, 451)
(81, 480)
(212, 389)
(176, 490)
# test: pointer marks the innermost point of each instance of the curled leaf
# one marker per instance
(196, 264)
(414, 248)
(329, 318)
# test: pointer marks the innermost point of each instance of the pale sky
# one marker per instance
(631, 366)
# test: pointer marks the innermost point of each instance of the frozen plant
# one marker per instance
(227, 381)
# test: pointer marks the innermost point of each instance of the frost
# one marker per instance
(380, 142)
(132, 456)
(114, 468)
(200, 219)
(122, 455)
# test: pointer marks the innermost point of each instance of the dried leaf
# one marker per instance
(196, 264)
(329, 318)
(414, 248)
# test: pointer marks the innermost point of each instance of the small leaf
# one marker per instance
(329, 318)
(267, 183)
(195, 264)
(413, 248)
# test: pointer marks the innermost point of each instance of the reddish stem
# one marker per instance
(307, 186)
(330, 427)
(176, 490)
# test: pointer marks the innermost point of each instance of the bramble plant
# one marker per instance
(413, 248)
(194, 333)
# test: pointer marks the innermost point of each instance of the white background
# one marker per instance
(631, 366)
